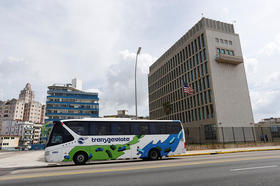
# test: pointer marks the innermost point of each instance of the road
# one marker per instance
(251, 168)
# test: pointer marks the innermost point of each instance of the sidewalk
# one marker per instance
(228, 150)
(17, 159)
(24, 159)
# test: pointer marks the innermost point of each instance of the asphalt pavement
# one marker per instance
(247, 168)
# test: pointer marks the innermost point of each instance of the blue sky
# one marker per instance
(46, 42)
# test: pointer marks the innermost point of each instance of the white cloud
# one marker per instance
(271, 48)
(251, 65)
(265, 103)
(119, 88)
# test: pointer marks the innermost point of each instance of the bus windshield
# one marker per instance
(59, 135)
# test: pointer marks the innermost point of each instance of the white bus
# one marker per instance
(82, 140)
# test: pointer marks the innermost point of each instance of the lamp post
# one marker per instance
(138, 52)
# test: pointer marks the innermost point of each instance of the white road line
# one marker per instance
(251, 168)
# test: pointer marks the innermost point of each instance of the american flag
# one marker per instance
(188, 89)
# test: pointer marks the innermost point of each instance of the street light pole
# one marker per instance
(138, 52)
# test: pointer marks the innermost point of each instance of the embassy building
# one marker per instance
(209, 58)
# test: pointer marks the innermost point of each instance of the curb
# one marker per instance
(222, 152)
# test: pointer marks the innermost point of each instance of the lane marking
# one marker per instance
(13, 177)
(252, 168)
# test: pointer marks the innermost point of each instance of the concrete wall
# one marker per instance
(230, 88)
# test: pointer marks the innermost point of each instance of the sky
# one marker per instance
(46, 42)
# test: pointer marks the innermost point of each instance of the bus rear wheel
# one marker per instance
(80, 158)
(154, 154)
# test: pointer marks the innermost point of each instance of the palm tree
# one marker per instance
(167, 108)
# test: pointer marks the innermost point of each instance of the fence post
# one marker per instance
(244, 134)
(262, 138)
(233, 134)
(253, 134)
(199, 135)
(223, 135)
(271, 135)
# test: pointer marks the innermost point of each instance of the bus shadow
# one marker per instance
(124, 161)
(111, 162)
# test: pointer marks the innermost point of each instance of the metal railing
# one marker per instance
(224, 135)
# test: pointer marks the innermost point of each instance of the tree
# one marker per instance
(167, 108)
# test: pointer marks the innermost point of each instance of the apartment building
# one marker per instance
(66, 101)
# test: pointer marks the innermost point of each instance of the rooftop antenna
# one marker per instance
(201, 14)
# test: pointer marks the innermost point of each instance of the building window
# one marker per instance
(202, 69)
(204, 54)
(202, 39)
(223, 51)
(231, 53)
(217, 40)
(226, 41)
(195, 44)
(230, 42)
(204, 84)
(198, 71)
(208, 81)
(203, 113)
(195, 114)
(211, 111)
(201, 98)
(218, 52)
(206, 67)
(227, 52)
(205, 98)
(207, 112)
(210, 96)
(199, 45)
(192, 48)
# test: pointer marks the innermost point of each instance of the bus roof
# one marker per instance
(119, 119)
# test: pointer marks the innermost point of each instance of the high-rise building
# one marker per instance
(68, 102)
(23, 109)
(12, 110)
(209, 58)
(27, 95)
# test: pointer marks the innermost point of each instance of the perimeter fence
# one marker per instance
(223, 135)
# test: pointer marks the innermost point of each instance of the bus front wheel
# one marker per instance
(80, 158)
(154, 154)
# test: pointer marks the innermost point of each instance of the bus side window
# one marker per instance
(102, 128)
(79, 127)
(173, 128)
(158, 128)
(120, 128)
(141, 128)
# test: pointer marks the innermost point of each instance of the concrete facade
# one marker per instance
(23, 129)
(209, 58)
(23, 109)
(9, 142)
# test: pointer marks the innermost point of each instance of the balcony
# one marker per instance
(223, 58)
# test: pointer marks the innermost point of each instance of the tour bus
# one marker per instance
(82, 140)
